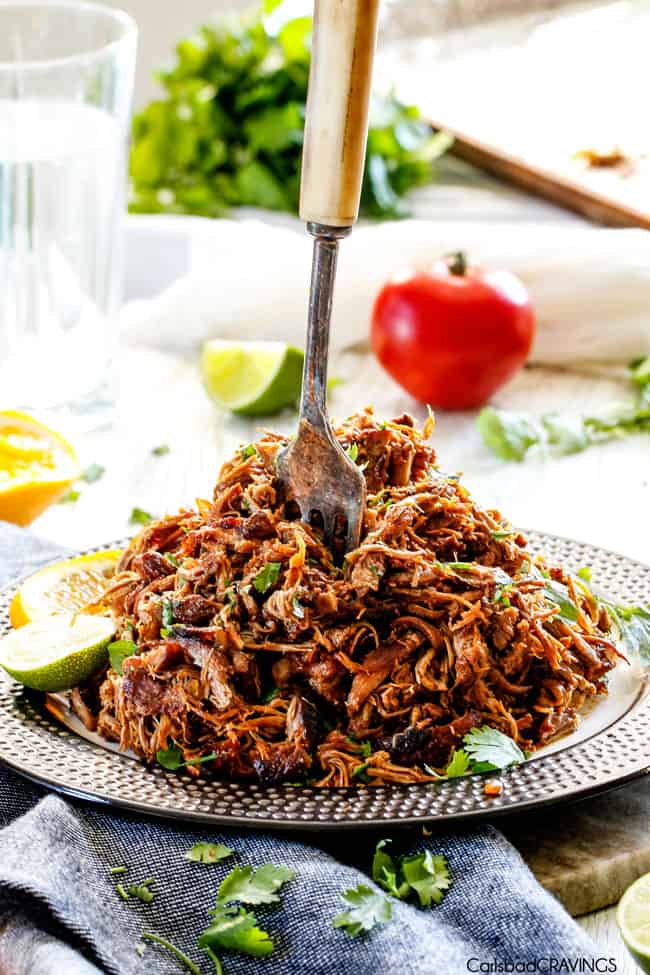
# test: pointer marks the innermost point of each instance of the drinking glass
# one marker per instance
(66, 83)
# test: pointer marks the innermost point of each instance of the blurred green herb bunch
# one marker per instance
(229, 130)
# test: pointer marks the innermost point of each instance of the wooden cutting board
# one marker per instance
(588, 853)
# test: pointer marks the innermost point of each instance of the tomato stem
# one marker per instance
(457, 263)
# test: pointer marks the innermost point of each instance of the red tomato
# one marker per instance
(453, 335)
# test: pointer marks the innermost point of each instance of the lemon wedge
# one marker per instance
(37, 466)
(71, 586)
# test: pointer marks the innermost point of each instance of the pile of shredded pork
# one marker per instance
(254, 647)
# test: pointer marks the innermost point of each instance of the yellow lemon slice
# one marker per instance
(37, 466)
(72, 586)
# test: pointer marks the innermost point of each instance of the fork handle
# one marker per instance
(336, 123)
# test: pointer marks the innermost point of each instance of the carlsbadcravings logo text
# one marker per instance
(543, 966)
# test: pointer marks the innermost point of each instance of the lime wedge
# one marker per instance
(252, 378)
(633, 916)
(57, 653)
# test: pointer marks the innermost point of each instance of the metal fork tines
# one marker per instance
(314, 469)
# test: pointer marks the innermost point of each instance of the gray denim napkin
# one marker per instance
(60, 913)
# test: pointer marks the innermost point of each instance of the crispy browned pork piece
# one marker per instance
(251, 645)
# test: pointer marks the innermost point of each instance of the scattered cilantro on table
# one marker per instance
(511, 435)
(367, 908)
(93, 473)
(70, 497)
(250, 886)
(208, 852)
(423, 874)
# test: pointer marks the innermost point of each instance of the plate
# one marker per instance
(611, 747)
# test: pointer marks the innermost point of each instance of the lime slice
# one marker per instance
(252, 378)
(57, 653)
(633, 918)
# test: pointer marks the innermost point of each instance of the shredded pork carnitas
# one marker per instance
(254, 647)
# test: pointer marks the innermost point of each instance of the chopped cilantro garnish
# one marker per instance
(503, 534)
(139, 516)
(267, 576)
(141, 891)
(70, 497)
(584, 573)
(253, 886)
(247, 451)
(122, 892)
(172, 560)
(270, 694)
(490, 750)
(172, 758)
(208, 852)
(161, 450)
(115, 871)
(366, 909)
(167, 614)
(93, 473)
(118, 651)
(352, 452)
(298, 608)
(459, 765)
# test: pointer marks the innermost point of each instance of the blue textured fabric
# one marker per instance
(60, 913)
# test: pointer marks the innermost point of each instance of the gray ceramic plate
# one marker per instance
(611, 747)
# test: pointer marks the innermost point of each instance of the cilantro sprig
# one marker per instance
(421, 874)
(248, 886)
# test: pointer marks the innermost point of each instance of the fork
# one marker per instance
(314, 469)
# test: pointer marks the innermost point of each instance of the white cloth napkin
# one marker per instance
(246, 279)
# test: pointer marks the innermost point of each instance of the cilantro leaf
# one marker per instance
(172, 758)
(167, 614)
(459, 765)
(633, 624)
(118, 651)
(497, 535)
(208, 852)
(385, 872)
(267, 577)
(161, 450)
(490, 750)
(367, 908)
(253, 887)
(427, 875)
(93, 473)
(353, 452)
(584, 573)
(139, 516)
(236, 929)
(69, 497)
(247, 451)
(559, 594)
(511, 435)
